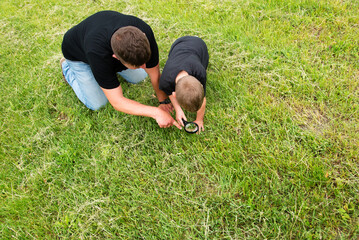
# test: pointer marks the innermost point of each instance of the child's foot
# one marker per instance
(63, 76)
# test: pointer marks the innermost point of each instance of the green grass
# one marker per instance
(278, 159)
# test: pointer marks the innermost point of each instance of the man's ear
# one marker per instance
(174, 94)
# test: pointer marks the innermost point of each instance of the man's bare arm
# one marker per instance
(125, 105)
(154, 74)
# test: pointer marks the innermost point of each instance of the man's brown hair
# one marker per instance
(131, 46)
(189, 93)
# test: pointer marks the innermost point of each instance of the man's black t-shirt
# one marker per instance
(90, 42)
(188, 54)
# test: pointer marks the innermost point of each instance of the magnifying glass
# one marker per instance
(190, 127)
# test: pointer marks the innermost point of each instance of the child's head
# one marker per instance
(131, 46)
(189, 93)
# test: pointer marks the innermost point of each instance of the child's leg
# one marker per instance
(79, 76)
(133, 76)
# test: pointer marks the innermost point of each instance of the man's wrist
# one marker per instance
(156, 112)
(166, 101)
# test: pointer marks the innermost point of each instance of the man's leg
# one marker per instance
(80, 78)
(133, 76)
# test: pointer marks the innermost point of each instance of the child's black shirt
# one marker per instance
(188, 54)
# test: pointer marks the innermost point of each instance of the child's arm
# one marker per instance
(200, 115)
(178, 109)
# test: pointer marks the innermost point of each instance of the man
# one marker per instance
(104, 45)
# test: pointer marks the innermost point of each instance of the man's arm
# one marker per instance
(125, 105)
(154, 74)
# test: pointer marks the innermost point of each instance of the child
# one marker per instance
(184, 77)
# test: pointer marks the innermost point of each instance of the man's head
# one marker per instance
(131, 46)
(189, 93)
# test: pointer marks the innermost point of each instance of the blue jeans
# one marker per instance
(81, 79)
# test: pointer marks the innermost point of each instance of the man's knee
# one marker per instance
(139, 76)
(137, 79)
(97, 104)
(134, 76)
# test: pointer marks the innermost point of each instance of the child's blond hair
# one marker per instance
(189, 93)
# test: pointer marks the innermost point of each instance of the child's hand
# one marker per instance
(200, 126)
(179, 116)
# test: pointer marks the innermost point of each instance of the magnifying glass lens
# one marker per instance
(191, 127)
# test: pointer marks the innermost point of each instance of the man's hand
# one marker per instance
(200, 126)
(165, 120)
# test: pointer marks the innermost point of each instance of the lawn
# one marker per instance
(278, 158)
